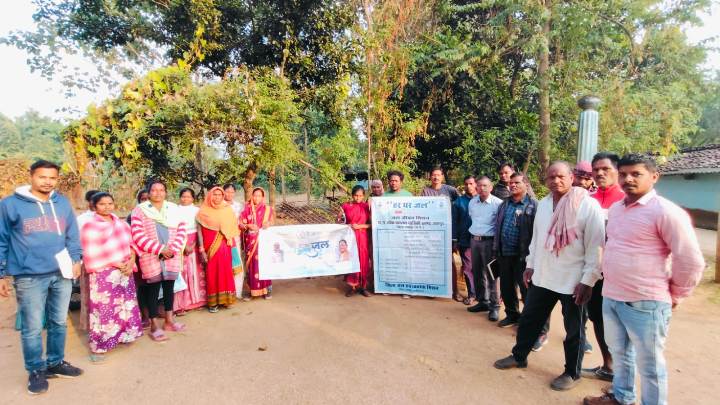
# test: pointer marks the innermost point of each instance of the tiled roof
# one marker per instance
(702, 159)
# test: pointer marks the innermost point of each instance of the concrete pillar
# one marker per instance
(588, 128)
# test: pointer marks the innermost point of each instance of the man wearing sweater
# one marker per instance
(652, 261)
(563, 264)
(37, 225)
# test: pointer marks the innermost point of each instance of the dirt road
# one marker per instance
(323, 348)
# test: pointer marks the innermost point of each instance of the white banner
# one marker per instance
(412, 245)
(296, 251)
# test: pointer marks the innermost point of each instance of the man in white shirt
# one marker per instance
(563, 265)
(483, 209)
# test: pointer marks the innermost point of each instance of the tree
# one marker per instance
(504, 76)
(31, 137)
(239, 125)
(309, 38)
(709, 125)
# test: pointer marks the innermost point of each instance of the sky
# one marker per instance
(22, 90)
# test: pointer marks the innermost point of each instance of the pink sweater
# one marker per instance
(651, 252)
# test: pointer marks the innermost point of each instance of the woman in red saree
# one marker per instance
(219, 237)
(357, 215)
(256, 215)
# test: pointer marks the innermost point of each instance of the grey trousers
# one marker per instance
(486, 287)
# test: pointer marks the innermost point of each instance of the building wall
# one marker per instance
(700, 195)
(701, 192)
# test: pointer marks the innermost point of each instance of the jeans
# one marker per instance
(37, 295)
(540, 303)
(637, 331)
(486, 287)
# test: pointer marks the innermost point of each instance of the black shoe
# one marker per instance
(480, 307)
(564, 382)
(37, 382)
(493, 315)
(508, 322)
(63, 370)
(510, 362)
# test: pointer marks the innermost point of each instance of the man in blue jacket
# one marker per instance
(37, 229)
(461, 222)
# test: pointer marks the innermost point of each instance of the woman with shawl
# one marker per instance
(159, 235)
(195, 295)
(256, 215)
(219, 247)
(113, 314)
(357, 214)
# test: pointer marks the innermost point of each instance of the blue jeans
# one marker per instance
(37, 295)
(636, 331)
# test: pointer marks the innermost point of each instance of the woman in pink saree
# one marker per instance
(195, 295)
(357, 214)
(256, 215)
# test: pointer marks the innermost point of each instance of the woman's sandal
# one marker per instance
(350, 292)
(96, 358)
(214, 309)
(467, 301)
(174, 327)
(366, 293)
(158, 336)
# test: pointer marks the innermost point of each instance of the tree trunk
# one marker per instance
(544, 82)
(369, 64)
(250, 174)
(282, 183)
(308, 179)
(271, 187)
(199, 166)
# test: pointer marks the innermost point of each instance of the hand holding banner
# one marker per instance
(412, 245)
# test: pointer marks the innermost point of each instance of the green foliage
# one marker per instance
(479, 70)
(376, 83)
(307, 38)
(31, 137)
(165, 125)
(709, 125)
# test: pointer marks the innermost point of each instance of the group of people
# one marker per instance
(607, 248)
(603, 244)
(181, 255)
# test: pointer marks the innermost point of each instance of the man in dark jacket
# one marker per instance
(40, 249)
(461, 222)
(513, 233)
(501, 189)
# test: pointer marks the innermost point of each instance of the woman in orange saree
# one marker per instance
(219, 235)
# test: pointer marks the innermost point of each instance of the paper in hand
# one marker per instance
(65, 263)
(490, 270)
